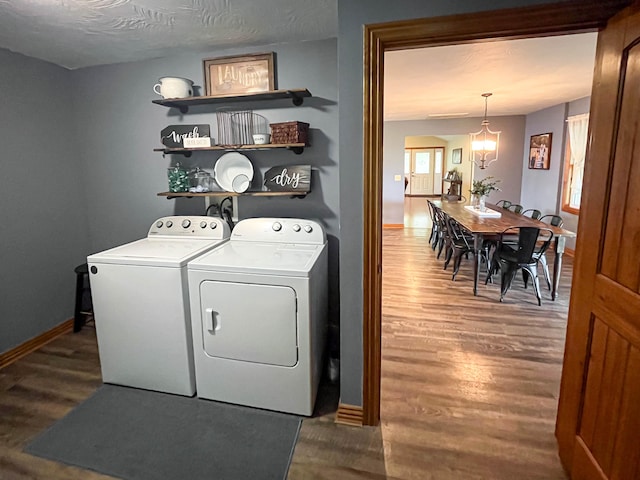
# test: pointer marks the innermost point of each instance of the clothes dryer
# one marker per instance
(141, 304)
(259, 310)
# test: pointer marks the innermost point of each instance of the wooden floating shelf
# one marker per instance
(232, 194)
(297, 96)
(296, 148)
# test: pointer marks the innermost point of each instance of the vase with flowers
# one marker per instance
(480, 189)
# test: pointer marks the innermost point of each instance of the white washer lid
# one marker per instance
(261, 258)
(161, 252)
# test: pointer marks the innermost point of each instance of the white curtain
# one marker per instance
(578, 126)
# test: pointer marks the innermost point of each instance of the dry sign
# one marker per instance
(294, 178)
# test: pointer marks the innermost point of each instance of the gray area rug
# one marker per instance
(141, 435)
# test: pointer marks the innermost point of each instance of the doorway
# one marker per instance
(560, 18)
(423, 170)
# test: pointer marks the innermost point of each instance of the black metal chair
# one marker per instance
(503, 203)
(434, 224)
(523, 255)
(556, 221)
(440, 238)
(532, 213)
(515, 208)
(459, 242)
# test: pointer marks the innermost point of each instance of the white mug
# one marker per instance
(174, 87)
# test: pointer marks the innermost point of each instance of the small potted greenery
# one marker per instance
(480, 189)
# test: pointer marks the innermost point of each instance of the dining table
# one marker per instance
(484, 227)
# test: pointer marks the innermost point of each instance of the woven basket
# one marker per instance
(290, 132)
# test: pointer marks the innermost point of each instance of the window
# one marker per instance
(423, 162)
(577, 128)
(439, 156)
(407, 162)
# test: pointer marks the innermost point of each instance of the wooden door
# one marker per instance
(598, 425)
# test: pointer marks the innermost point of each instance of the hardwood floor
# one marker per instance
(469, 385)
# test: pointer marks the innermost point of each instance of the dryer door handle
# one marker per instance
(210, 322)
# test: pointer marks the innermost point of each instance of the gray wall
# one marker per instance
(123, 174)
(508, 168)
(352, 15)
(43, 215)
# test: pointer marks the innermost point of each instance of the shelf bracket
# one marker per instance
(297, 150)
(169, 197)
(295, 98)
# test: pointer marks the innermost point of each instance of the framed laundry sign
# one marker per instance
(290, 178)
(239, 74)
(173, 136)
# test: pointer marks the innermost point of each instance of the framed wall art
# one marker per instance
(239, 75)
(456, 156)
(540, 151)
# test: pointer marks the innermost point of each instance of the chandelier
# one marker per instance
(484, 144)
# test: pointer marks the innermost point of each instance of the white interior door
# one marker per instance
(421, 179)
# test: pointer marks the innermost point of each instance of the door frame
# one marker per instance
(527, 22)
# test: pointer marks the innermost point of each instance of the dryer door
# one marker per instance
(249, 322)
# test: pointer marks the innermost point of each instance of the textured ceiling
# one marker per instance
(524, 76)
(81, 33)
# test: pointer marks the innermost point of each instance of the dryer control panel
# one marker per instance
(191, 226)
(283, 230)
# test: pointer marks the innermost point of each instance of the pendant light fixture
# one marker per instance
(484, 144)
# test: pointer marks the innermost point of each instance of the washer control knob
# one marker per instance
(308, 228)
(169, 224)
(186, 223)
(213, 225)
(159, 224)
(203, 224)
(277, 226)
(296, 227)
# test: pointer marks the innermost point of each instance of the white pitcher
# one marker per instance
(174, 87)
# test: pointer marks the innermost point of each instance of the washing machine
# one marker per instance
(141, 304)
(259, 310)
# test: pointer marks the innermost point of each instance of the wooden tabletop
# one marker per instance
(493, 226)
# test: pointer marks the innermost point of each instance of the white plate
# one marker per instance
(228, 167)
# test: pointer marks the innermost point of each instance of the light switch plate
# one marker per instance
(397, 178)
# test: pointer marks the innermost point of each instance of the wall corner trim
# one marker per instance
(349, 415)
(16, 353)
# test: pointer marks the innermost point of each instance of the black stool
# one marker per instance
(84, 306)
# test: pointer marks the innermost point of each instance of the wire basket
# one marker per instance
(238, 127)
